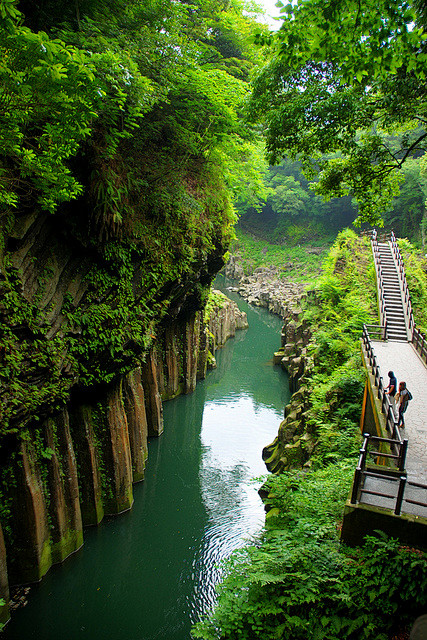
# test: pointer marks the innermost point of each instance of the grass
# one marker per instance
(300, 264)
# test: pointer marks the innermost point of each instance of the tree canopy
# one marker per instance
(108, 101)
(347, 79)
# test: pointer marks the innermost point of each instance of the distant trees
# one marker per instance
(348, 79)
(288, 210)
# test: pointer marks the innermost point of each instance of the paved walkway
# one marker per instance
(402, 358)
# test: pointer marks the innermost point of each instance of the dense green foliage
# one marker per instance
(297, 263)
(288, 211)
(121, 121)
(137, 92)
(416, 277)
(343, 75)
(407, 213)
(297, 580)
(345, 299)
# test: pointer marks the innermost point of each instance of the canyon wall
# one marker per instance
(264, 288)
(82, 461)
(93, 339)
(294, 443)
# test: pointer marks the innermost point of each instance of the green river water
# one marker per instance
(151, 572)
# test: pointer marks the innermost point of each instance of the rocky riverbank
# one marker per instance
(264, 288)
(294, 442)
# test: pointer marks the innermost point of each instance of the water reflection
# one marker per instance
(150, 573)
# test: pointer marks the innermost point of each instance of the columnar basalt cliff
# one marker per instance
(79, 406)
(224, 320)
(86, 457)
(294, 443)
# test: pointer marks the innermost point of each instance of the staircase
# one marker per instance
(394, 308)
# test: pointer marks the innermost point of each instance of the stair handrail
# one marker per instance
(418, 339)
(402, 277)
(380, 283)
(361, 472)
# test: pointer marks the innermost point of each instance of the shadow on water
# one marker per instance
(150, 573)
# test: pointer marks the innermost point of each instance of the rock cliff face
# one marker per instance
(76, 415)
(225, 319)
(85, 458)
(264, 288)
(294, 443)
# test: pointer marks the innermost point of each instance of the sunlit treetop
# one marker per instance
(348, 79)
(365, 39)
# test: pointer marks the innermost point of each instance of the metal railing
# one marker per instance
(361, 473)
(398, 475)
(406, 298)
(380, 283)
(420, 343)
(386, 406)
(417, 338)
(376, 331)
(382, 236)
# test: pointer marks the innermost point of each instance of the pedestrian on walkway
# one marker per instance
(391, 390)
(402, 400)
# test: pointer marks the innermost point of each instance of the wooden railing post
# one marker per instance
(402, 454)
(356, 483)
(400, 493)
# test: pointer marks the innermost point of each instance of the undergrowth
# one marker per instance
(297, 581)
(416, 277)
(298, 263)
(344, 299)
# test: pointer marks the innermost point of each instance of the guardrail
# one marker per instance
(398, 475)
(386, 407)
(420, 343)
(380, 284)
(406, 298)
(382, 236)
(376, 331)
(417, 338)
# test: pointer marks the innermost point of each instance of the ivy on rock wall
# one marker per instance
(115, 205)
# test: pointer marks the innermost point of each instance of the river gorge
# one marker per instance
(151, 572)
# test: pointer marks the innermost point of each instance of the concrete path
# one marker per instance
(403, 359)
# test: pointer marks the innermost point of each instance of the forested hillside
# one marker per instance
(344, 93)
(120, 130)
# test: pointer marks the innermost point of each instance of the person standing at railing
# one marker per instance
(402, 399)
(391, 390)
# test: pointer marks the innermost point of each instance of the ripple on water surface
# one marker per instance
(150, 573)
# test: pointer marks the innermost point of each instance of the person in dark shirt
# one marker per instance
(391, 391)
